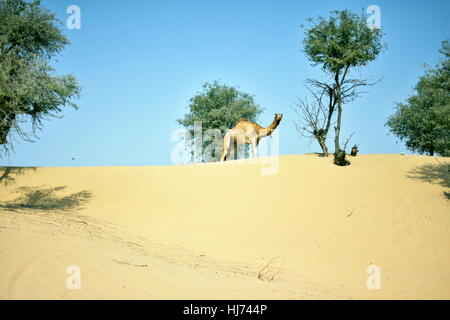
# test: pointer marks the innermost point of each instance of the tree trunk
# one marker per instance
(337, 128)
(323, 145)
(339, 155)
(4, 129)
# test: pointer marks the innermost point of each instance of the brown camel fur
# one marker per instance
(246, 132)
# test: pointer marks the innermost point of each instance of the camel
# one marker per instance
(247, 132)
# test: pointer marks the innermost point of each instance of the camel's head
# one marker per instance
(278, 116)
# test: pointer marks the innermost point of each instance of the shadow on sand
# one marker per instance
(46, 198)
(438, 173)
(8, 174)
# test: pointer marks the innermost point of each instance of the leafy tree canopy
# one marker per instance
(30, 36)
(219, 106)
(423, 121)
(341, 41)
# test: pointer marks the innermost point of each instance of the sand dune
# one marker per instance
(211, 231)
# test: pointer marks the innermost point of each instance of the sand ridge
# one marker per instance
(211, 231)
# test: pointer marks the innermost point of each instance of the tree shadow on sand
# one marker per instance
(433, 173)
(46, 198)
(8, 174)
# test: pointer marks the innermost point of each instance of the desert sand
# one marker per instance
(226, 231)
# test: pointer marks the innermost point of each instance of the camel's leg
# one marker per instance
(226, 148)
(229, 146)
(231, 149)
(254, 143)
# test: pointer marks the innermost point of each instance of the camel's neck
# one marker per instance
(267, 131)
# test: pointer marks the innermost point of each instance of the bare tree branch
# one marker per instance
(316, 115)
(347, 141)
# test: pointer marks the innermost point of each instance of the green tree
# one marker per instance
(340, 44)
(423, 121)
(217, 107)
(30, 36)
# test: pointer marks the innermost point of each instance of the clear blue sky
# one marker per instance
(139, 62)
